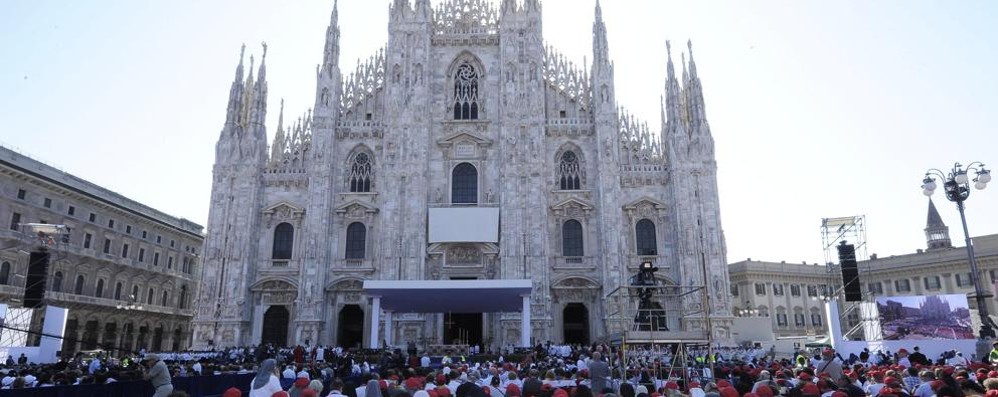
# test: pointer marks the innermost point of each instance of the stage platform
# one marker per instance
(660, 337)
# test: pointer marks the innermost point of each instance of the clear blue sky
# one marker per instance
(819, 109)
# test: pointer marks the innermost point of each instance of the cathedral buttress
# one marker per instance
(229, 254)
(701, 253)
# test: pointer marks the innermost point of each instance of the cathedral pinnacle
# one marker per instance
(236, 92)
(331, 52)
(531, 5)
(277, 148)
(262, 75)
(694, 91)
(239, 69)
(693, 65)
(280, 117)
(508, 6)
(601, 52)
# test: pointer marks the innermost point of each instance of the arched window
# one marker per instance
(78, 289)
(571, 238)
(57, 282)
(99, 292)
(182, 302)
(284, 238)
(356, 241)
(464, 184)
(569, 171)
(361, 173)
(644, 232)
(166, 298)
(5, 273)
(466, 93)
(149, 296)
(135, 293)
(117, 291)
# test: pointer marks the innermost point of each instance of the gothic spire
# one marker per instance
(259, 109)
(424, 11)
(508, 6)
(331, 54)
(249, 80)
(236, 91)
(600, 47)
(399, 9)
(672, 92)
(262, 75)
(239, 69)
(531, 5)
(696, 105)
(277, 148)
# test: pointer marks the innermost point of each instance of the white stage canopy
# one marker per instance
(446, 296)
(449, 296)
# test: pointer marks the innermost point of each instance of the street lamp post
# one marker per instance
(956, 186)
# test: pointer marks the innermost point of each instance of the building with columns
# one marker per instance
(784, 291)
(788, 293)
(466, 149)
(118, 253)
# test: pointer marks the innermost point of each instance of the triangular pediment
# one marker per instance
(572, 202)
(283, 207)
(657, 204)
(356, 206)
(465, 136)
(345, 284)
(576, 282)
(274, 284)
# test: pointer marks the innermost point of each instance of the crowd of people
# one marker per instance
(546, 371)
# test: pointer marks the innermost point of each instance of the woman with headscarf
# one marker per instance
(373, 388)
(495, 390)
(266, 383)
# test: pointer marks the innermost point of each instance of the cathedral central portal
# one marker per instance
(463, 329)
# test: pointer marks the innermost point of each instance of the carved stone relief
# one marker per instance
(466, 255)
(278, 298)
(283, 212)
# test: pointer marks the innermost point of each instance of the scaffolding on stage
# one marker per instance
(674, 322)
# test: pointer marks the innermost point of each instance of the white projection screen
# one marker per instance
(464, 225)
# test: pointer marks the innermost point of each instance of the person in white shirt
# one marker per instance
(957, 359)
(874, 385)
(424, 361)
(455, 382)
(95, 365)
(289, 372)
(903, 358)
(197, 368)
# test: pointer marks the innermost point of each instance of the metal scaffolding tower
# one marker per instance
(848, 230)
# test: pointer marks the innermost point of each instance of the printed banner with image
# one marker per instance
(925, 317)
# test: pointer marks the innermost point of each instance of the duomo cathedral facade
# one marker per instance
(466, 107)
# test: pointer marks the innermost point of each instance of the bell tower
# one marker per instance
(936, 232)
